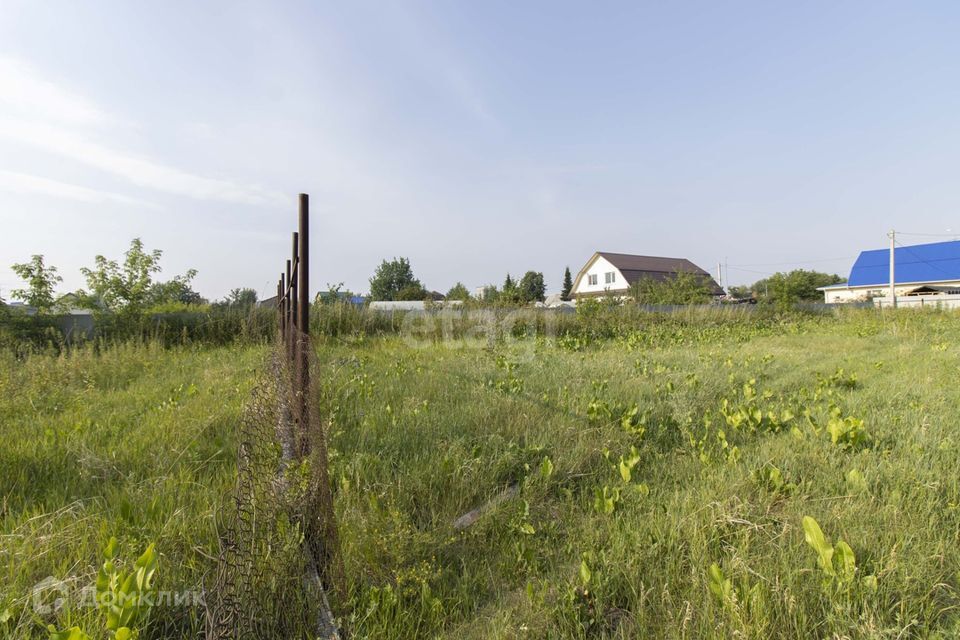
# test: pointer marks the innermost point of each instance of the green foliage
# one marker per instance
(740, 292)
(847, 432)
(129, 288)
(452, 443)
(770, 478)
(41, 284)
(567, 284)
(177, 290)
(393, 277)
(720, 585)
(241, 298)
(605, 500)
(490, 294)
(531, 287)
(509, 293)
(123, 598)
(335, 294)
(837, 562)
(682, 288)
(412, 292)
(126, 287)
(799, 285)
(458, 292)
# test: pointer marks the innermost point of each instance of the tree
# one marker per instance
(509, 292)
(490, 294)
(412, 292)
(241, 298)
(176, 290)
(129, 287)
(458, 292)
(391, 278)
(740, 292)
(682, 288)
(41, 281)
(799, 285)
(334, 293)
(567, 285)
(531, 287)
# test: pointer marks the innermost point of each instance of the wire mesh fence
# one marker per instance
(278, 568)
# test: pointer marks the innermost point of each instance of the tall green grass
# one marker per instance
(424, 434)
(135, 441)
(138, 441)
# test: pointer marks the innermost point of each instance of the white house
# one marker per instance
(924, 274)
(612, 273)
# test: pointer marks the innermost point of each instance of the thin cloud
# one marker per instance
(24, 92)
(14, 182)
(139, 171)
(40, 113)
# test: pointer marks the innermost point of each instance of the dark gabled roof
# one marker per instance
(933, 262)
(627, 262)
(634, 267)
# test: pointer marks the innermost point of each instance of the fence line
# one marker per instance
(271, 580)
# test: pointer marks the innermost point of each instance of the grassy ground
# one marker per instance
(425, 434)
(136, 442)
(638, 462)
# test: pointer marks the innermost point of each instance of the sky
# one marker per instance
(474, 138)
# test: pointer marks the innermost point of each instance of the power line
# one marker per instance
(763, 273)
(779, 264)
(927, 262)
(931, 235)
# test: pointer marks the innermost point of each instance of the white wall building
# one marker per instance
(924, 274)
(613, 273)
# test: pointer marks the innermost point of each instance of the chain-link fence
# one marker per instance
(278, 568)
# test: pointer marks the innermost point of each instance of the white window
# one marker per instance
(592, 278)
(609, 277)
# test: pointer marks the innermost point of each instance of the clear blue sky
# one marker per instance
(474, 138)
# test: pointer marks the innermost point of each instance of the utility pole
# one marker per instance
(893, 291)
(719, 275)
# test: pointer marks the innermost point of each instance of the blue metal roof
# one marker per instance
(918, 263)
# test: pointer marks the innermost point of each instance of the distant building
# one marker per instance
(389, 306)
(480, 292)
(924, 274)
(613, 273)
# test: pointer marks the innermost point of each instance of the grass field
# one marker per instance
(615, 472)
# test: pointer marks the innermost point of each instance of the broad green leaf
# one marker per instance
(816, 539)
(546, 468)
(585, 573)
(856, 483)
(110, 552)
(73, 633)
(845, 562)
(720, 585)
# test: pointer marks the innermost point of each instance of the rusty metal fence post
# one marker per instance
(302, 311)
(293, 304)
